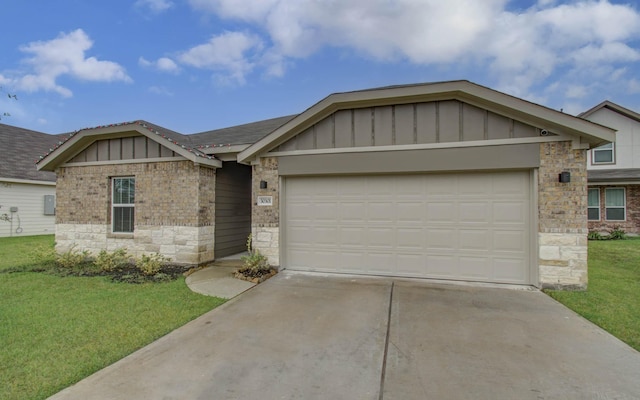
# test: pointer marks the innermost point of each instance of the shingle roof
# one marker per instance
(613, 175)
(241, 134)
(20, 148)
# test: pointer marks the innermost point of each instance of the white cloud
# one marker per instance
(156, 6)
(229, 54)
(163, 64)
(64, 56)
(520, 47)
(161, 90)
(576, 91)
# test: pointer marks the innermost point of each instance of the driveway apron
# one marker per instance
(306, 336)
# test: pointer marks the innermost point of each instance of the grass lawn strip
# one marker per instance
(612, 300)
(56, 330)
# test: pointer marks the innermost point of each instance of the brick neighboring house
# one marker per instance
(614, 171)
(27, 196)
(448, 180)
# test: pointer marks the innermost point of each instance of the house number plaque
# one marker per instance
(265, 200)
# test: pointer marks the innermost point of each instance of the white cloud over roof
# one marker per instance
(520, 47)
(63, 56)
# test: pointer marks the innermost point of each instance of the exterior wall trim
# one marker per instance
(447, 145)
(129, 161)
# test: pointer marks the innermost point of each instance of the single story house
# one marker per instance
(614, 171)
(448, 180)
(27, 196)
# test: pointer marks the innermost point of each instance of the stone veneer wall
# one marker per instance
(265, 220)
(632, 222)
(174, 210)
(562, 217)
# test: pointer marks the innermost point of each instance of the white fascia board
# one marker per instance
(27, 181)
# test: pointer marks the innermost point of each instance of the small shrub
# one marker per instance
(617, 234)
(113, 261)
(595, 235)
(254, 262)
(151, 264)
(43, 255)
(72, 258)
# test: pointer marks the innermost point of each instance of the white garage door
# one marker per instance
(473, 226)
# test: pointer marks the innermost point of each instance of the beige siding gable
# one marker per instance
(419, 123)
(123, 148)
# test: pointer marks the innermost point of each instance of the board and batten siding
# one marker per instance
(125, 148)
(407, 124)
(29, 199)
(233, 209)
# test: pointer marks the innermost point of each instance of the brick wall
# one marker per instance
(265, 220)
(632, 222)
(174, 209)
(562, 217)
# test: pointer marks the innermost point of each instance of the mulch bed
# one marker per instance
(127, 274)
(254, 276)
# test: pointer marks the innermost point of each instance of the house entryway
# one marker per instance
(232, 208)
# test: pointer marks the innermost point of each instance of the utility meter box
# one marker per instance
(49, 204)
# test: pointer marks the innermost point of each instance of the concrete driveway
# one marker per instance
(303, 336)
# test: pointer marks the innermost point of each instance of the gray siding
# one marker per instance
(233, 208)
(420, 123)
(126, 148)
(489, 158)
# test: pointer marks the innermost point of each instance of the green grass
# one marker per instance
(57, 330)
(612, 299)
(17, 251)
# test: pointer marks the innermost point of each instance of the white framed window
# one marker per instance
(603, 154)
(593, 210)
(123, 204)
(614, 204)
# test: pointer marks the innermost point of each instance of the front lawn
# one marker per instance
(612, 300)
(57, 330)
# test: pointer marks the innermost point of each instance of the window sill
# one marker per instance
(120, 235)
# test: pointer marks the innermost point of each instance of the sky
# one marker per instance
(197, 65)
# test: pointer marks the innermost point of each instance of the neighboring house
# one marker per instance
(27, 196)
(614, 171)
(447, 180)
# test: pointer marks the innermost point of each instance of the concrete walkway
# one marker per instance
(306, 336)
(217, 280)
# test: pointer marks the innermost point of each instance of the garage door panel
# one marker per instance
(380, 263)
(475, 240)
(509, 270)
(410, 264)
(382, 212)
(475, 268)
(515, 212)
(509, 241)
(409, 239)
(352, 211)
(441, 266)
(475, 212)
(441, 239)
(471, 226)
(442, 212)
(381, 238)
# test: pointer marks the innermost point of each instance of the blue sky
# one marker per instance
(195, 65)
